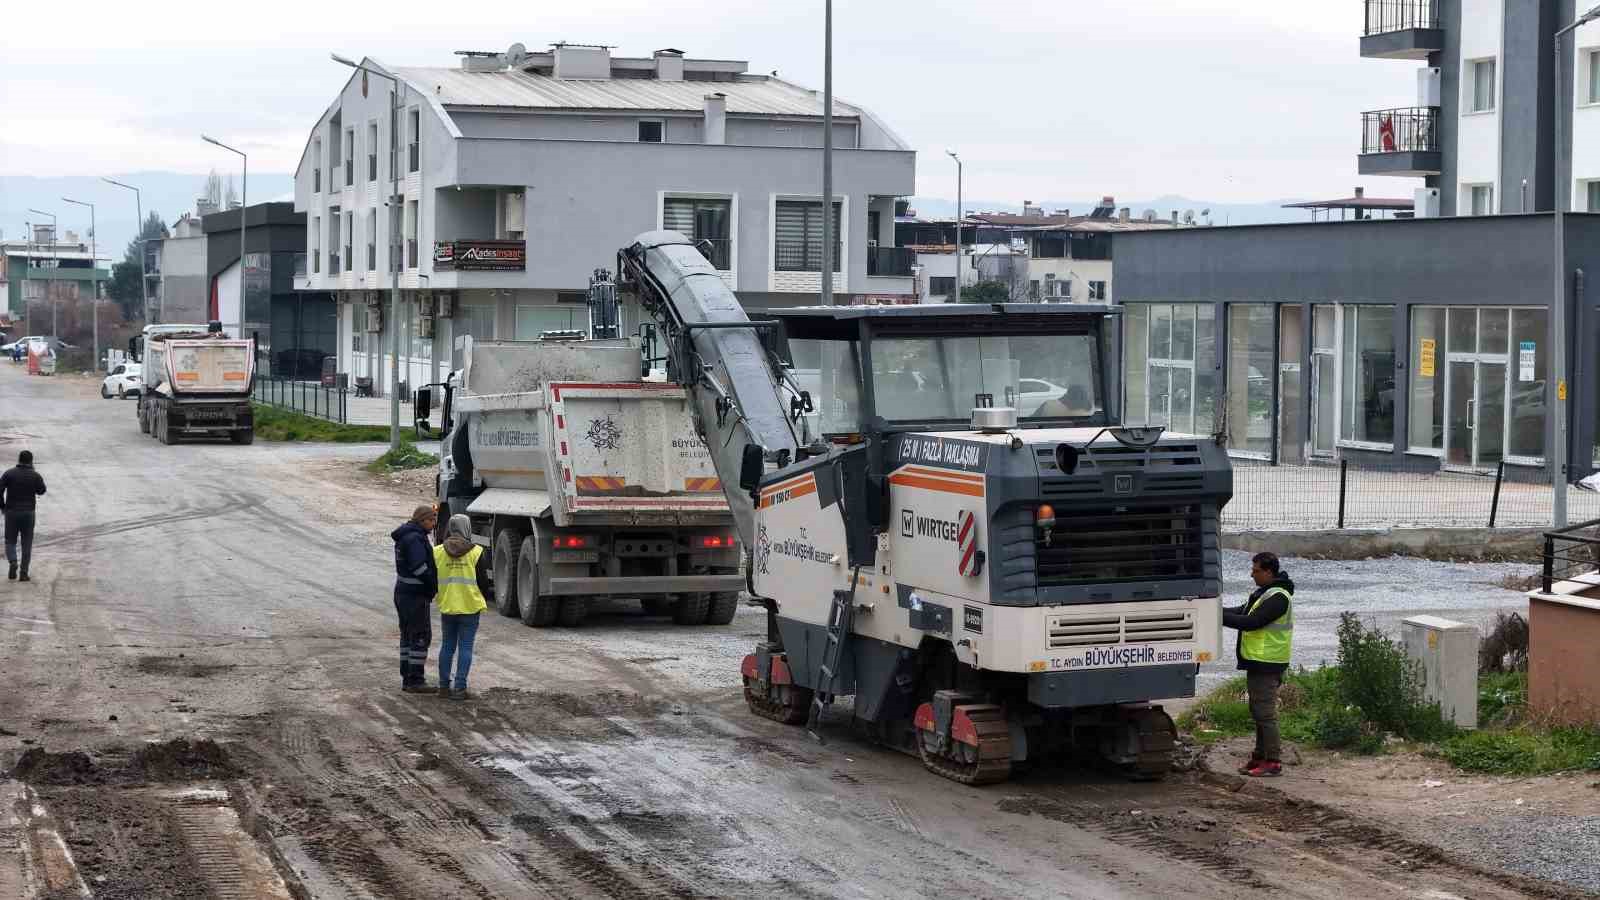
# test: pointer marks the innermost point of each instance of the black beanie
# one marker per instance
(25, 458)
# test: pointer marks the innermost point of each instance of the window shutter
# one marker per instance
(677, 214)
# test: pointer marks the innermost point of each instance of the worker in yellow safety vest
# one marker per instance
(463, 582)
(1266, 632)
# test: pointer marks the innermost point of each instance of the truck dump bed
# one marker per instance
(205, 366)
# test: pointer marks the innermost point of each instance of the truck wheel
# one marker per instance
(144, 423)
(247, 436)
(724, 605)
(507, 548)
(164, 429)
(692, 609)
(537, 611)
(573, 611)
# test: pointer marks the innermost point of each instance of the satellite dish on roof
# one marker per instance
(516, 55)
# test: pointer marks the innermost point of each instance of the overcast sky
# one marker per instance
(1240, 100)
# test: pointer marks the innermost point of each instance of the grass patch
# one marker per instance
(274, 424)
(406, 456)
(1524, 750)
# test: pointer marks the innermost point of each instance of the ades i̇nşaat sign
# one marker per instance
(504, 256)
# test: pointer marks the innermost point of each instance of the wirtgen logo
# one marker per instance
(907, 523)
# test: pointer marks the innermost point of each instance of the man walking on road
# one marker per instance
(20, 489)
(1266, 631)
(416, 580)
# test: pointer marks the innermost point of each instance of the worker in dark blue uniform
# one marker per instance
(416, 581)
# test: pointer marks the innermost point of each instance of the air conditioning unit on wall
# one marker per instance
(425, 327)
(446, 304)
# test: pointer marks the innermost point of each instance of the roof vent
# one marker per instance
(669, 65)
(582, 61)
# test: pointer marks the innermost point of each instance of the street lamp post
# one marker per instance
(55, 240)
(144, 278)
(1558, 309)
(827, 154)
(244, 208)
(959, 213)
(94, 281)
(394, 245)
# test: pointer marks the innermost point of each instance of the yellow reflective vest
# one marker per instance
(1268, 644)
(458, 582)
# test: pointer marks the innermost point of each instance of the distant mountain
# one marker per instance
(1221, 213)
(169, 193)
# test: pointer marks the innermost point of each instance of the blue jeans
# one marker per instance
(459, 634)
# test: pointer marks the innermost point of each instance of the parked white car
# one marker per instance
(123, 382)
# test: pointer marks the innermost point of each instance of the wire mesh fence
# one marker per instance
(306, 397)
(1362, 494)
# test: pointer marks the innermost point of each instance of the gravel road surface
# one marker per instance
(202, 701)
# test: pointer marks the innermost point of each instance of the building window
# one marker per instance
(335, 219)
(1529, 375)
(798, 239)
(394, 137)
(1590, 73)
(1090, 246)
(1480, 199)
(1367, 394)
(350, 239)
(1425, 417)
(316, 244)
(414, 147)
(1481, 96)
(703, 220)
(1097, 290)
(652, 131)
(421, 347)
(372, 240)
(411, 234)
(533, 321)
(1170, 362)
(372, 151)
(1251, 357)
(477, 321)
(1033, 289)
(316, 166)
(349, 157)
(941, 286)
(1591, 191)
(358, 328)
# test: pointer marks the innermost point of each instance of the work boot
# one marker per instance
(24, 576)
(13, 574)
(420, 688)
(1267, 768)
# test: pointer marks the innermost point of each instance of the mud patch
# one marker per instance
(171, 761)
(596, 705)
(762, 745)
(127, 847)
(180, 666)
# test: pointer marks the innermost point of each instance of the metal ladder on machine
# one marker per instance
(840, 617)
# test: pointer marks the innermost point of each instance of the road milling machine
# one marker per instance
(945, 521)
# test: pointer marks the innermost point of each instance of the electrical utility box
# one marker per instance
(1448, 654)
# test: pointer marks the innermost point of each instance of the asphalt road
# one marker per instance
(242, 594)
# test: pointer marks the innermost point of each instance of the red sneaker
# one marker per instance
(1267, 768)
(1251, 763)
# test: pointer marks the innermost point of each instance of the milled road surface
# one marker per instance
(242, 594)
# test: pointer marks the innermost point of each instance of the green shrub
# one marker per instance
(1524, 750)
(1378, 679)
(406, 456)
(1501, 697)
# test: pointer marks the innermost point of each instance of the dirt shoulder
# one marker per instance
(1545, 826)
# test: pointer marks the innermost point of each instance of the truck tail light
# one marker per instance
(572, 542)
(715, 542)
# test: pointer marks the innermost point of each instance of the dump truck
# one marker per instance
(585, 481)
(197, 383)
(998, 578)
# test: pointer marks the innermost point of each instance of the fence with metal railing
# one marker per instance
(1414, 129)
(1384, 16)
(890, 261)
(305, 397)
(1351, 494)
(1571, 552)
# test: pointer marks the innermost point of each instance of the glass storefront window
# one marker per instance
(1426, 415)
(1367, 401)
(1169, 366)
(533, 321)
(1530, 359)
(1135, 350)
(1250, 366)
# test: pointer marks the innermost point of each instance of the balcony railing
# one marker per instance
(1408, 129)
(1387, 16)
(893, 262)
(299, 265)
(801, 256)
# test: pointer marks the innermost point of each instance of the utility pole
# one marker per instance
(244, 207)
(827, 154)
(94, 280)
(1558, 308)
(144, 278)
(398, 205)
(959, 215)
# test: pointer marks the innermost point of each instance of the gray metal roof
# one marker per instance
(514, 89)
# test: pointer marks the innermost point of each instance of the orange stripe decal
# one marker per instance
(965, 489)
(802, 488)
(702, 485)
(790, 483)
(944, 473)
(600, 483)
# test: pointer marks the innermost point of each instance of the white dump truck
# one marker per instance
(197, 383)
(585, 481)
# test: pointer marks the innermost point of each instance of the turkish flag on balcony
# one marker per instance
(1386, 133)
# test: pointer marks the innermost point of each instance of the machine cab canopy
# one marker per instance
(925, 367)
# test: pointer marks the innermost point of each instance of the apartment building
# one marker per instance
(1481, 135)
(182, 290)
(521, 173)
(41, 270)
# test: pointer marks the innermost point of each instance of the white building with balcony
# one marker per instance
(521, 173)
